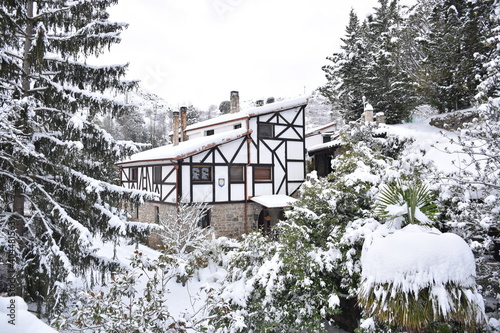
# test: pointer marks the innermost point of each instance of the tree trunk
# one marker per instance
(18, 205)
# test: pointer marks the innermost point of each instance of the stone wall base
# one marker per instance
(226, 220)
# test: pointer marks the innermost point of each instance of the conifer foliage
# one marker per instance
(399, 58)
(57, 177)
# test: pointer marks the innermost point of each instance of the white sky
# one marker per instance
(197, 51)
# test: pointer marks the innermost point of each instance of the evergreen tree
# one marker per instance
(224, 107)
(371, 64)
(489, 86)
(388, 86)
(57, 170)
(449, 75)
(344, 88)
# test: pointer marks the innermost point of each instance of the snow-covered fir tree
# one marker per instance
(57, 175)
(449, 76)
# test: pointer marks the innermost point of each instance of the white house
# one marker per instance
(245, 165)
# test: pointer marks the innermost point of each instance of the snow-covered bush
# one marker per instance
(123, 306)
(471, 197)
(180, 232)
(416, 276)
(181, 236)
(409, 203)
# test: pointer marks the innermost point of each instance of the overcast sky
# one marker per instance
(197, 51)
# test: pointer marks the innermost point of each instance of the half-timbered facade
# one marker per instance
(245, 165)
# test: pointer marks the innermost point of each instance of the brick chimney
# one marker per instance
(184, 123)
(234, 102)
(175, 136)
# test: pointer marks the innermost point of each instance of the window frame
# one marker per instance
(263, 167)
(155, 176)
(201, 180)
(237, 179)
(264, 134)
(134, 174)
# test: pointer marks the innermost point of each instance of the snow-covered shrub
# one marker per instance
(181, 236)
(416, 276)
(123, 306)
(410, 203)
(180, 232)
(471, 197)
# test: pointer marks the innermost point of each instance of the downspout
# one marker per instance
(249, 140)
(178, 184)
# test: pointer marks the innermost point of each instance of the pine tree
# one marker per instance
(388, 86)
(449, 76)
(371, 64)
(57, 175)
(344, 88)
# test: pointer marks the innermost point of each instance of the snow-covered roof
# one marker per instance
(321, 129)
(186, 148)
(325, 146)
(244, 114)
(274, 200)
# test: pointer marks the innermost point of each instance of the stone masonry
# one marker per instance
(225, 219)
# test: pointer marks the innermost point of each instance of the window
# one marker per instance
(327, 138)
(237, 126)
(133, 174)
(157, 174)
(209, 132)
(237, 173)
(262, 173)
(201, 174)
(204, 221)
(266, 131)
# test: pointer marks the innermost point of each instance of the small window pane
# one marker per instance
(133, 174)
(262, 173)
(157, 174)
(204, 221)
(266, 130)
(201, 174)
(205, 173)
(210, 132)
(236, 173)
(196, 174)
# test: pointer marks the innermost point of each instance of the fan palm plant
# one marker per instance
(409, 202)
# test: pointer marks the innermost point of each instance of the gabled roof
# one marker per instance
(252, 112)
(186, 148)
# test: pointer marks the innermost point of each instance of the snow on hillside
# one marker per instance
(433, 141)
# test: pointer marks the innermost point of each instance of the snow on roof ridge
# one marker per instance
(254, 111)
(186, 148)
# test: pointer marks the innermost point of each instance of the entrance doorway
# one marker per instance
(268, 218)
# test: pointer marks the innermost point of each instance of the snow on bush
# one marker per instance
(417, 275)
